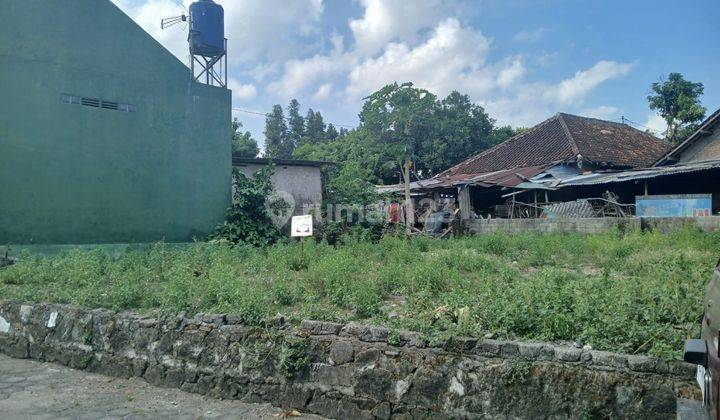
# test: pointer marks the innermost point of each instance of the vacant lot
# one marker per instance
(633, 293)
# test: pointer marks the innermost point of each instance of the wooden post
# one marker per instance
(512, 211)
(535, 210)
(645, 184)
(464, 202)
(409, 208)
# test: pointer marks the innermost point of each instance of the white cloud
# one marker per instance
(269, 29)
(545, 59)
(241, 92)
(656, 124)
(510, 75)
(256, 29)
(384, 21)
(278, 46)
(603, 112)
(530, 36)
(298, 74)
(525, 104)
(575, 88)
(452, 58)
(323, 92)
(148, 15)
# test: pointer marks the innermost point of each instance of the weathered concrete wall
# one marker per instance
(591, 225)
(348, 371)
(667, 224)
(302, 182)
(706, 148)
(74, 174)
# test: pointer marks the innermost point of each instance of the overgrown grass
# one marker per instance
(633, 293)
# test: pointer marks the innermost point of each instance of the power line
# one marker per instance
(625, 120)
(265, 114)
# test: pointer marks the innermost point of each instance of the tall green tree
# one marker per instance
(678, 101)
(314, 127)
(402, 120)
(331, 133)
(349, 180)
(399, 118)
(462, 129)
(243, 144)
(276, 134)
(296, 124)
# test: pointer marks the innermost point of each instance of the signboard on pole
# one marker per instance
(301, 226)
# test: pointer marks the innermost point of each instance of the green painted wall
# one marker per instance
(71, 174)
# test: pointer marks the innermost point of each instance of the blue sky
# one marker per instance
(522, 60)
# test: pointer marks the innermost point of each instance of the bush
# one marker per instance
(249, 219)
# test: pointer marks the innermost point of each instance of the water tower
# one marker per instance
(206, 38)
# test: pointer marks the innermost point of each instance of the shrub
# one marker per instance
(249, 219)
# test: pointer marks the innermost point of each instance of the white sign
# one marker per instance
(301, 225)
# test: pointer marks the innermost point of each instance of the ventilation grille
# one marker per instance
(90, 102)
(109, 105)
(96, 103)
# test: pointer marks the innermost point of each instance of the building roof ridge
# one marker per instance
(568, 134)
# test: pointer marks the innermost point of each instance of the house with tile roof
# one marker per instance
(568, 139)
(569, 158)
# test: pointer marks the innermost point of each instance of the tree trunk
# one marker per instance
(409, 207)
(671, 131)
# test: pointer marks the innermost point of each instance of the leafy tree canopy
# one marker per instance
(678, 101)
(296, 125)
(243, 144)
(277, 143)
(401, 121)
(397, 122)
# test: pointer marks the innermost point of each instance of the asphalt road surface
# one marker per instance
(36, 390)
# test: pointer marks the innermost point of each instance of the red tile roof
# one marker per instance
(562, 138)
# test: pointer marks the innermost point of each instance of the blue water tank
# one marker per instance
(207, 29)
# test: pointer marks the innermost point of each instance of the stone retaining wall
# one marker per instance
(348, 371)
(592, 225)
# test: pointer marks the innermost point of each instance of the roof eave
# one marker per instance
(699, 133)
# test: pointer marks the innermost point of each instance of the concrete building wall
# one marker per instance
(302, 182)
(706, 148)
(77, 174)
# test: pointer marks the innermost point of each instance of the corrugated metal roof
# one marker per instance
(647, 173)
(531, 177)
(569, 209)
(504, 178)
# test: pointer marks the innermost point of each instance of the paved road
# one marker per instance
(690, 410)
(35, 390)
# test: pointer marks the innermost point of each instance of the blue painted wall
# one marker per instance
(677, 205)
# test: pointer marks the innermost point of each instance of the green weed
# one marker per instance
(631, 292)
